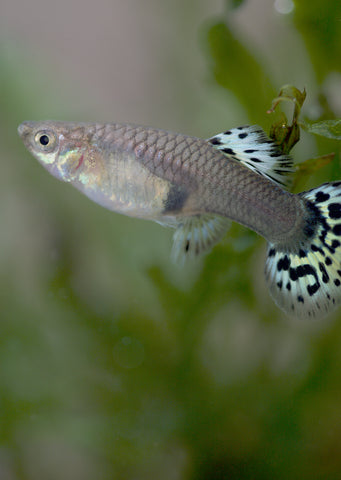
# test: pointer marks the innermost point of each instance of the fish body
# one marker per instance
(197, 186)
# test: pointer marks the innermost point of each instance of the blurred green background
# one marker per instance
(115, 363)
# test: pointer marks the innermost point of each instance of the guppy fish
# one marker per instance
(196, 186)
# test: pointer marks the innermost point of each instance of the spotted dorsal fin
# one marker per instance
(252, 147)
(197, 235)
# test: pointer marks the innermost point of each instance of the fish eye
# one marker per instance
(45, 140)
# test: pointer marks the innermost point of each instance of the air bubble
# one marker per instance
(284, 6)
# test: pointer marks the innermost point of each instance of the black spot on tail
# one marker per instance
(283, 263)
(325, 276)
(315, 222)
(317, 249)
(337, 229)
(312, 289)
(304, 270)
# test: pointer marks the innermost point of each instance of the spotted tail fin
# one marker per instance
(306, 281)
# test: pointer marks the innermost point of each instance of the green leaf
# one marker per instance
(289, 93)
(285, 135)
(325, 128)
(233, 4)
(319, 23)
(236, 69)
(309, 167)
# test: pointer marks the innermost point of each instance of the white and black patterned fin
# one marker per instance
(252, 147)
(306, 283)
(197, 235)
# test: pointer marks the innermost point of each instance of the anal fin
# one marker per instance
(196, 235)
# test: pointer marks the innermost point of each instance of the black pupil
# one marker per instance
(44, 140)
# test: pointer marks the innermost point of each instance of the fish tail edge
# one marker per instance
(305, 279)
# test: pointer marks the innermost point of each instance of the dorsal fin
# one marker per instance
(251, 146)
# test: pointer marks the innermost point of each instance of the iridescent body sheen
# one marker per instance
(195, 185)
(158, 175)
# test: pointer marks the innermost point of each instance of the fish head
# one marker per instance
(59, 146)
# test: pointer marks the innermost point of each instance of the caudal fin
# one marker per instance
(306, 281)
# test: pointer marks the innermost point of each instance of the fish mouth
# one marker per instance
(25, 131)
(25, 128)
